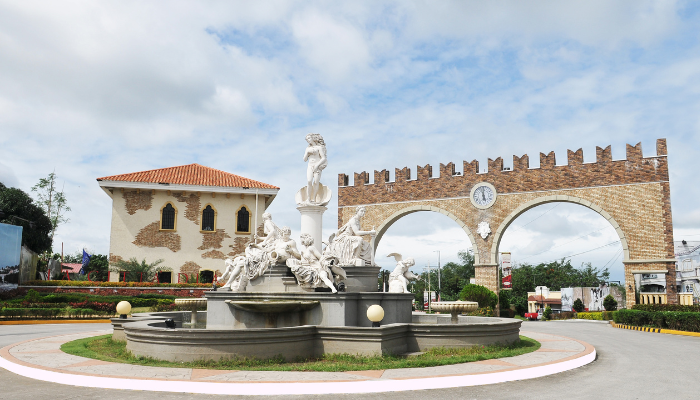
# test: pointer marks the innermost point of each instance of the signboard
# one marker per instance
(567, 299)
(425, 296)
(10, 245)
(506, 271)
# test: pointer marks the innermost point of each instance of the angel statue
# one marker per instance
(309, 269)
(398, 280)
(315, 154)
(347, 244)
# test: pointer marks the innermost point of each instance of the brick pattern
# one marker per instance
(152, 236)
(240, 242)
(190, 268)
(214, 254)
(633, 194)
(213, 240)
(193, 206)
(486, 276)
(136, 200)
(520, 179)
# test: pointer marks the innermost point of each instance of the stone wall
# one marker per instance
(632, 194)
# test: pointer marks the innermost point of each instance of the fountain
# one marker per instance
(277, 299)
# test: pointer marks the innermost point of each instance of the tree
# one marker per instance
(578, 305)
(17, 208)
(554, 275)
(610, 303)
(52, 201)
(547, 313)
(137, 271)
(479, 294)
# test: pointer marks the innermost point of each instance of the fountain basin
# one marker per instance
(274, 306)
(454, 307)
(191, 304)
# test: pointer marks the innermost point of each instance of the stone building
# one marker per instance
(191, 216)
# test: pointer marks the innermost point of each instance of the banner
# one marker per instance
(506, 271)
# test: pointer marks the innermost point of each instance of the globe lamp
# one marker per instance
(375, 313)
(123, 308)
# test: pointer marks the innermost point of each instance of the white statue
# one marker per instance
(398, 279)
(483, 229)
(347, 244)
(315, 154)
(276, 248)
(309, 269)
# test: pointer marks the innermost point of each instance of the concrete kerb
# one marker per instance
(369, 385)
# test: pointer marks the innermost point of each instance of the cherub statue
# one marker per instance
(398, 280)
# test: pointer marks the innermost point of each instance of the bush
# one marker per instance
(547, 315)
(479, 294)
(578, 306)
(482, 312)
(564, 315)
(504, 299)
(118, 284)
(595, 316)
(666, 307)
(610, 303)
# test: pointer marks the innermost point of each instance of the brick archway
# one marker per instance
(632, 194)
(386, 224)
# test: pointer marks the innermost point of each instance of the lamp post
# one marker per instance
(439, 280)
(428, 268)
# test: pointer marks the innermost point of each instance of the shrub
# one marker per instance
(578, 305)
(504, 299)
(564, 315)
(479, 294)
(610, 303)
(547, 315)
(596, 316)
(118, 284)
(666, 307)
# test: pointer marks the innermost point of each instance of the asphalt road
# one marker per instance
(630, 365)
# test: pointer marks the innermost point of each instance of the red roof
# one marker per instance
(540, 299)
(71, 268)
(191, 174)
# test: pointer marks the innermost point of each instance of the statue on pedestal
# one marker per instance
(310, 269)
(347, 244)
(275, 248)
(398, 279)
(315, 154)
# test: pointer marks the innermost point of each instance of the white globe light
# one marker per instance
(123, 307)
(375, 313)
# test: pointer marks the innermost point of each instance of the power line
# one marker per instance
(571, 241)
(583, 252)
(541, 215)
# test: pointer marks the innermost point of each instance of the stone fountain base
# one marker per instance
(228, 310)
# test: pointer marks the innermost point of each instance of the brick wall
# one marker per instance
(632, 194)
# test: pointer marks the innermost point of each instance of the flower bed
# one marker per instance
(117, 284)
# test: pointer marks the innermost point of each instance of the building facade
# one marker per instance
(192, 217)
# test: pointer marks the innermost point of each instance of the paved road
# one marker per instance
(630, 365)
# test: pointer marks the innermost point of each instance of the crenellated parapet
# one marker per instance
(520, 178)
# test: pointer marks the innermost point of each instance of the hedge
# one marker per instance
(31, 312)
(117, 284)
(676, 320)
(596, 315)
(666, 307)
(34, 299)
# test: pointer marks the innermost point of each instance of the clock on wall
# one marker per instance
(483, 195)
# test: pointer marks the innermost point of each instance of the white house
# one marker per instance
(191, 216)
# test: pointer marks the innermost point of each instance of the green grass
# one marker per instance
(105, 349)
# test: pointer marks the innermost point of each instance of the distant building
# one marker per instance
(592, 298)
(688, 267)
(190, 216)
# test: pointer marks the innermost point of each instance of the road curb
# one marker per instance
(56, 321)
(654, 330)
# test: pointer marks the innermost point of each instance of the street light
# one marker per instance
(439, 281)
(428, 268)
(31, 223)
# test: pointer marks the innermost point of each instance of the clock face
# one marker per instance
(483, 195)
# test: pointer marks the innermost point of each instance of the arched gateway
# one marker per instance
(632, 194)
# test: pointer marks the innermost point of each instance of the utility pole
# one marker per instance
(430, 292)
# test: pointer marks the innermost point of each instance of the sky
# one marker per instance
(90, 89)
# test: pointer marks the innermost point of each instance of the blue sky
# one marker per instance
(100, 88)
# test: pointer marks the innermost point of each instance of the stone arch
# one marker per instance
(553, 199)
(388, 222)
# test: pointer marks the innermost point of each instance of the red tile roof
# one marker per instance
(540, 299)
(72, 268)
(191, 174)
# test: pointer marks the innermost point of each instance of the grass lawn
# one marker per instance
(105, 349)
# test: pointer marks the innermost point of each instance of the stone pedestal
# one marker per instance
(312, 222)
(361, 279)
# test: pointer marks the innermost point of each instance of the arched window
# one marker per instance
(243, 220)
(208, 219)
(167, 217)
